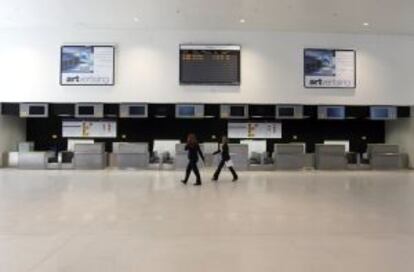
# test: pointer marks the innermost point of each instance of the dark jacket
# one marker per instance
(225, 153)
(193, 152)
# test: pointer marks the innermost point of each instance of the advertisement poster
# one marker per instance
(327, 68)
(255, 130)
(87, 65)
(88, 129)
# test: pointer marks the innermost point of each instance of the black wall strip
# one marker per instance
(311, 131)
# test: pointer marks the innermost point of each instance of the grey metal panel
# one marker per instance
(330, 149)
(289, 149)
(239, 155)
(290, 161)
(330, 157)
(90, 148)
(382, 148)
(33, 160)
(331, 162)
(131, 148)
(289, 156)
(90, 161)
(137, 160)
(386, 161)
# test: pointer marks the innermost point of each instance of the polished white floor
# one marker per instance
(128, 221)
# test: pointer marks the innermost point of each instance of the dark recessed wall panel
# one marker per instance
(404, 112)
(162, 110)
(266, 111)
(111, 110)
(10, 109)
(212, 110)
(357, 112)
(62, 109)
(359, 132)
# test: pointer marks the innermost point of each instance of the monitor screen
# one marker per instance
(86, 110)
(286, 112)
(237, 111)
(36, 110)
(210, 65)
(137, 110)
(335, 112)
(380, 113)
(186, 111)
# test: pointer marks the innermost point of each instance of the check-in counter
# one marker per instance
(330, 157)
(386, 157)
(90, 156)
(240, 156)
(289, 156)
(131, 155)
(25, 147)
(181, 157)
(34, 159)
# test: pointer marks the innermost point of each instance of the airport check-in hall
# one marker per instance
(187, 135)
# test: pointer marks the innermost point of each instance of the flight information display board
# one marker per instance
(210, 64)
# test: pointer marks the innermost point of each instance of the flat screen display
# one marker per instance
(329, 68)
(383, 113)
(335, 113)
(209, 65)
(137, 110)
(36, 110)
(87, 65)
(186, 111)
(380, 113)
(286, 112)
(86, 110)
(237, 111)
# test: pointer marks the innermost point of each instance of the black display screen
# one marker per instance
(286, 112)
(137, 110)
(380, 113)
(86, 110)
(210, 67)
(237, 111)
(36, 110)
(335, 112)
(186, 111)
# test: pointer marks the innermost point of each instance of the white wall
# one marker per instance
(147, 67)
(13, 131)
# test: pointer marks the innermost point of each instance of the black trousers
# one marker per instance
(192, 166)
(220, 166)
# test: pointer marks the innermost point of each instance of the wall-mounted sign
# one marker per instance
(210, 64)
(329, 68)
(87, 65)
(89, 129)
(255, 130)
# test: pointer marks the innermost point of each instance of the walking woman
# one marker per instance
(225, 160)
(194, 151)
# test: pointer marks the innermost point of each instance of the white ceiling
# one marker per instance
(344, 16)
